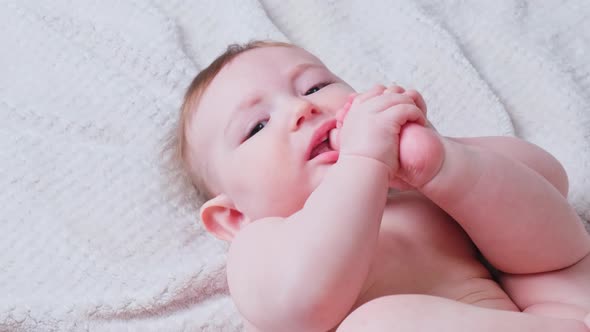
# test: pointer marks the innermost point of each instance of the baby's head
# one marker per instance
(247, 132)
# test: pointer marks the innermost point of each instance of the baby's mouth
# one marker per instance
(324, 146)
(320, 142)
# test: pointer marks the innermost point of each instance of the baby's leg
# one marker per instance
(519, 221)
(564, 293)
(422, 313)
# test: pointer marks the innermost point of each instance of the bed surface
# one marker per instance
(98, 228)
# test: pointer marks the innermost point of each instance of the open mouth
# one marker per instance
(320, 141)
(322, 147)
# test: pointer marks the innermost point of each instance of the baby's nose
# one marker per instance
(303, 112)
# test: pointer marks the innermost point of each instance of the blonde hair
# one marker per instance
(191, 99)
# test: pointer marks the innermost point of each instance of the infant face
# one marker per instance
(258, 126)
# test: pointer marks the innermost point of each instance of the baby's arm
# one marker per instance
(518, 219)
(304, 272)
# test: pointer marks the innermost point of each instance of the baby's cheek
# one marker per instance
(263, 190)
(338, 98)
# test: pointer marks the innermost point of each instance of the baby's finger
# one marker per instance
(394, 89)
(374, 91)
(334, 139)
(405, 113)
(341, 114)
(418, 100)
(386, 101)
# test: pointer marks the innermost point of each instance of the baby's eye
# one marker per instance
(316, 88)
(258, 127)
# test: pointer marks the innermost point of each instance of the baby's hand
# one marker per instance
(421, 151)
(341, 114)
(373, 125)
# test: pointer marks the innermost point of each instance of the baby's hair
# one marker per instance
(191, 100)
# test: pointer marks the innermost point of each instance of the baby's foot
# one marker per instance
(421, 154)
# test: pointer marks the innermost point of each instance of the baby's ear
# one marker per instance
(221, 218)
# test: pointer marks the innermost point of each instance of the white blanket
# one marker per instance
(99, 232)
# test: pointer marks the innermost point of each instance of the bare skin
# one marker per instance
(318, 243)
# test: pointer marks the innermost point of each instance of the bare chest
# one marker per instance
(421, 250)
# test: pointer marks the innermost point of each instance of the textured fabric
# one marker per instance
(99, 229)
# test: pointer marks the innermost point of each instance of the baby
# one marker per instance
(349, 212)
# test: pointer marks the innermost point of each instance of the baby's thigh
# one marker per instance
(424, 313)
(385, 313)
(564, 293)
(415, 313)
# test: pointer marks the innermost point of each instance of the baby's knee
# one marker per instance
(387, 312)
